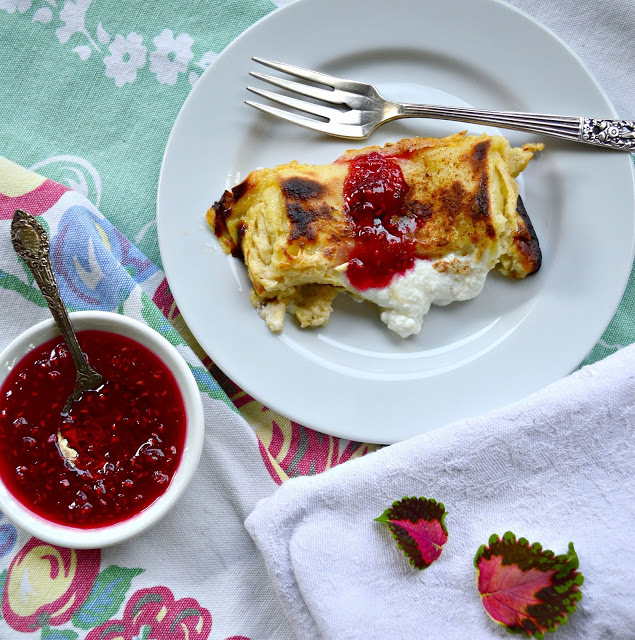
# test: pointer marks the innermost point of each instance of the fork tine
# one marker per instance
(294, 103)
(333, 129)
(312, 76)
(333, 97)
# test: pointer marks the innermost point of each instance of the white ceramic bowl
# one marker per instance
(77, 538)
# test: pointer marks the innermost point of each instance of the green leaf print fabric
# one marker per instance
(104, 81)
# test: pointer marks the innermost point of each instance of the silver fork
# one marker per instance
(367, 109)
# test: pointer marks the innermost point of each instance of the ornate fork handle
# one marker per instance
(617, 134)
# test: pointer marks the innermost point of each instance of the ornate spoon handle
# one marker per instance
(31, 243)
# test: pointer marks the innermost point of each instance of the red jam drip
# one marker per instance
(374, 197)
(129, 434)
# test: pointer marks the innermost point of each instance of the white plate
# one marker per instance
(354, 378)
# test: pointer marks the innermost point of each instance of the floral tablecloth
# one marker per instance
(89, 90)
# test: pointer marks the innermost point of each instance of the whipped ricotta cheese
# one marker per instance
(407, 299)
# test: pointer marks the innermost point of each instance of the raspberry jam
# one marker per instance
(129, 434)
(374, 198)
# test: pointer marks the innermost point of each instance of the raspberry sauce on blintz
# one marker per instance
(375, 195)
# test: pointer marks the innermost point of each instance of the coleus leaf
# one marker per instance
(526, 588)
(417, 526)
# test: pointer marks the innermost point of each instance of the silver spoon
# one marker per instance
(31, 243)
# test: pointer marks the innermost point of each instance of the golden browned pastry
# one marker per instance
(415, 222)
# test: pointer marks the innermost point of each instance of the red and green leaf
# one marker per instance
(417, 526)
(526, 588)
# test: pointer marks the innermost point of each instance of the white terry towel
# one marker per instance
(556, 467)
